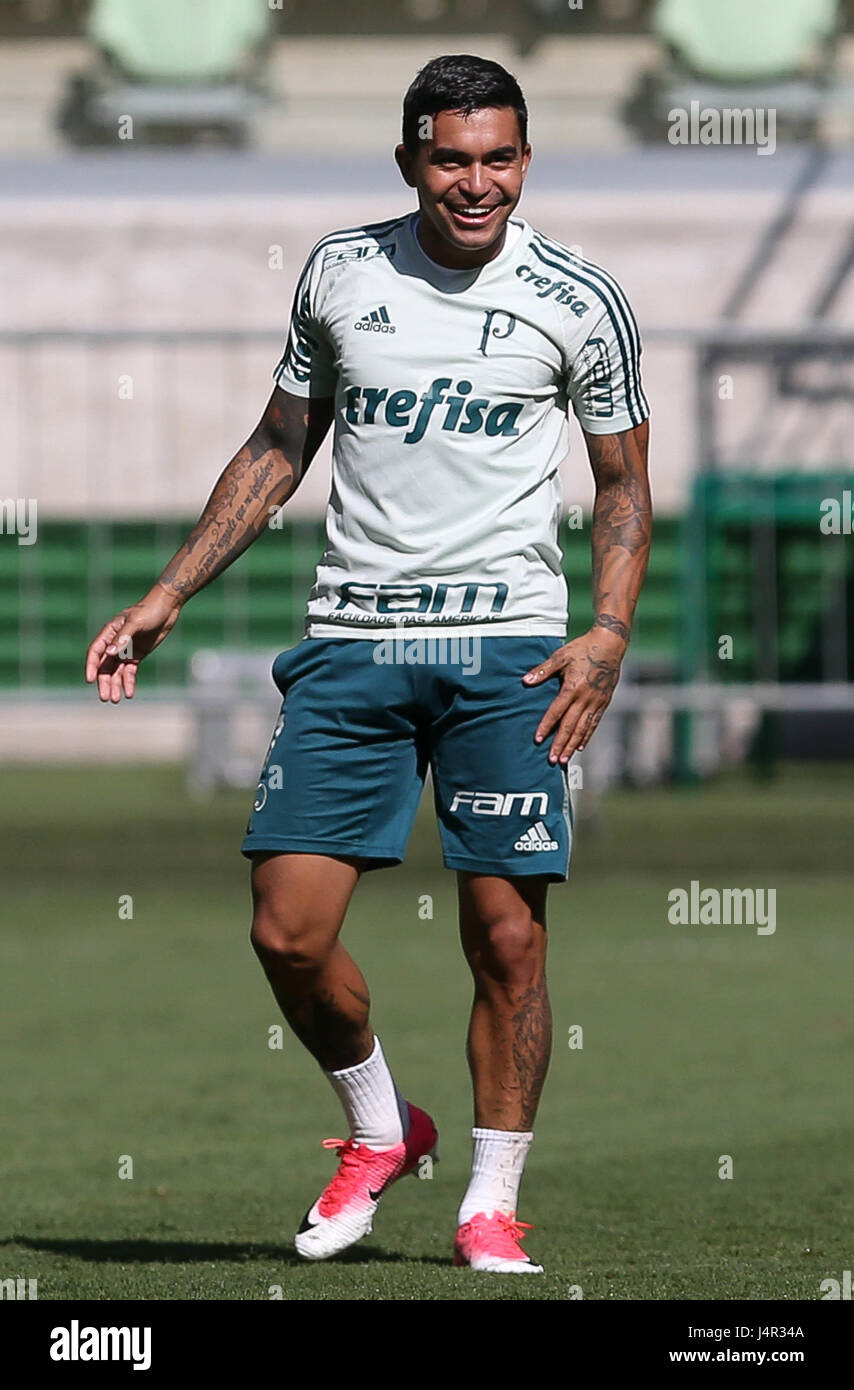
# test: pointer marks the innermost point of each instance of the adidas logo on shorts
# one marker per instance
(377, 321)
(535, 839)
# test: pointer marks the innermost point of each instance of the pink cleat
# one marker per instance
(344, 1211)
(491, 1244)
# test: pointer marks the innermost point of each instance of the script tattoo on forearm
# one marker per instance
(621, 535)
(225, 530)
(262, 474)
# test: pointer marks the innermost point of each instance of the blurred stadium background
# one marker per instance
(147, 285)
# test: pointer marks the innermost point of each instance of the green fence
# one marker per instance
(764, 567)
(56, 594)
(750, 562)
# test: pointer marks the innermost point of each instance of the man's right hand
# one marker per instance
(259, 479)
(120, 646)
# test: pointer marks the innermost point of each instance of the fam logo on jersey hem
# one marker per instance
(462, 416)
(424, 598)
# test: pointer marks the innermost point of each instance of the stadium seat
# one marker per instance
(173, 68)
(736, 55)
(157, 40)
(731, 41)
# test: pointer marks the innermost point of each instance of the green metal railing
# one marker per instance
(57, 593)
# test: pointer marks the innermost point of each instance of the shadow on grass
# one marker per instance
(202, 1252)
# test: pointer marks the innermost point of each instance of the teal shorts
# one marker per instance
(362, 721)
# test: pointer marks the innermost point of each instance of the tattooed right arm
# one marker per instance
(261, 476)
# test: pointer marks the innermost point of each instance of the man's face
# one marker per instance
(469, 176)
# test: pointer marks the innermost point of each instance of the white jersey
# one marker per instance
(451, 394)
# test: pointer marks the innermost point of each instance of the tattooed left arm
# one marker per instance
(589, 666)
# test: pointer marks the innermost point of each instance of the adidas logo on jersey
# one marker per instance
(535, 840)
(377, 321)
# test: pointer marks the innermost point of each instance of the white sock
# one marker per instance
(376, 1111)
(497, 1165)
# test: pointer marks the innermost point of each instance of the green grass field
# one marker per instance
(148, 1038)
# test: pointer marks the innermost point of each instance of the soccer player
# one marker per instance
(445, 346)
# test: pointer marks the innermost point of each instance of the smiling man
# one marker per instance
(447, 346)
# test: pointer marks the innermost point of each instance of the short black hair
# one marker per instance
(464, 83)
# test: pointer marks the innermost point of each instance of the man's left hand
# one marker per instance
(589, 668)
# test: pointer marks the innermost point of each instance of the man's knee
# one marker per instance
(508, 946)
(299, 904)
(288, 941)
